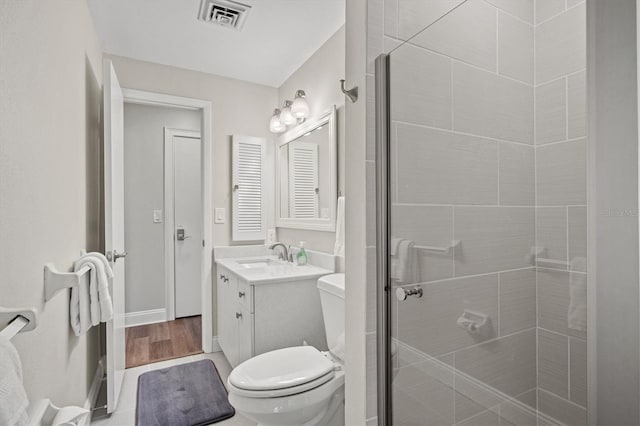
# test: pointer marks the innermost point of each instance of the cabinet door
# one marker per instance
(245, 334)
(227, 322)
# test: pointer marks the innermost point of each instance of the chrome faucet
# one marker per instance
(284, 253)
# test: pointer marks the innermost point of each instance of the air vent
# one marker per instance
(226, 13)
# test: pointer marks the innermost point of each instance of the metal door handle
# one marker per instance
(112, 256)
(241, 294)
(403, 293)
(180, 235)
(238, 315)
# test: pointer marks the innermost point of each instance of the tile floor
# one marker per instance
(126, 412)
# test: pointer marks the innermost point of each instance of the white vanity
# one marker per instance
(266, 304)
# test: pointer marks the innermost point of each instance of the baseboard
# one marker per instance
(94, 390)
(145, 317)
(215, 345)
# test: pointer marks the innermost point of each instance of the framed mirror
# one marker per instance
(307, 175)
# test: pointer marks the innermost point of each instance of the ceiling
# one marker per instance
(278, 35)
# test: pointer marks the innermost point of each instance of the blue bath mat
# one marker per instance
(183, 395)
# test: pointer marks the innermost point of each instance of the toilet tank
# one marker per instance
(331, 288)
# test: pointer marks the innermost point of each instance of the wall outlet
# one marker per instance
(220, 215)
(271, 236)
(157, 216)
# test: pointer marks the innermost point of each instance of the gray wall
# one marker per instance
(144, 192)
(614, 114)
(50, 150)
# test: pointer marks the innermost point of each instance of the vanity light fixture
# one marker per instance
(292, 113)
(276, 125)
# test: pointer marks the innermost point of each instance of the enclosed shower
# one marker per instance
(481, 256)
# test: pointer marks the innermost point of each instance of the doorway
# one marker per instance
(168, 303)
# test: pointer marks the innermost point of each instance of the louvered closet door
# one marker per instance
(248, 200)
(303, 178)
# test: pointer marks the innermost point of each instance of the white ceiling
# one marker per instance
(278, 35)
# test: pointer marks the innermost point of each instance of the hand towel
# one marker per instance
(577, 314)
(13, 398)
(338, 249)
(105, 262)
(402, 263)
(80, 303)
(101, 304)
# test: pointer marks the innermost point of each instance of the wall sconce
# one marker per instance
(292, 113)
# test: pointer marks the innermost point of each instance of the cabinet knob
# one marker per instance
(241, 294)
(222, 277)
(238, 315)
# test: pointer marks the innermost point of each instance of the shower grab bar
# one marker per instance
(454, 244)
(17, 320)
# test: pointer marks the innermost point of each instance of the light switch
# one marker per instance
(220, 215)
(271, 236)
(157, 216)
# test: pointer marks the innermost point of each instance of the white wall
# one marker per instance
(144, 192)
(238, 107)
(50, 150)
(319, 77)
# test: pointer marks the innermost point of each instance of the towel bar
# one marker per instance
(454, 244)
(17, 320)
(55, 281)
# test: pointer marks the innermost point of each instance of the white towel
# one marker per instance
(402, 262)
(13, 398)
(577, 314)
(101, 304)
(338, 249)
(80, 304)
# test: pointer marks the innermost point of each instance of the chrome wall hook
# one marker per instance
(352, 94)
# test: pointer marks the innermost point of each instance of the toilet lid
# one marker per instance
(282, 368)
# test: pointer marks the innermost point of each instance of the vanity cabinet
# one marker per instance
(254, 318)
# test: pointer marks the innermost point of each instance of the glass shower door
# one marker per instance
(482, 247)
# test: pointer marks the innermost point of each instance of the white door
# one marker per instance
(114, 228)
(188, 235)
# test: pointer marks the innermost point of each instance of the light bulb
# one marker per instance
(276, 125)
(300, 107)
(286, 117)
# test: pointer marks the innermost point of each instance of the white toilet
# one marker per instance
(299, 385)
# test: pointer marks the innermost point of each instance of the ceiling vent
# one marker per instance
(226, 13)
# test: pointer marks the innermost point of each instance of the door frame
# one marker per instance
(205, 107)
(169, 216)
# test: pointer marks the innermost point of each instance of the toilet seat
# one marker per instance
(282, 372)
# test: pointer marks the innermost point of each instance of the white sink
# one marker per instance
(258, 263)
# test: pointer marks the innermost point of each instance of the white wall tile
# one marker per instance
(551, 112)
(561, 171)
(517, 301)
(375, 32)
(420, 87)
(554, 301)
(391, 18)
(561, 45)
(429, 323)
(551, 232)
(440, 167)
(515, 48)
(486, 104)
(371, 375)
(472, 399)
(371, 119)
(545, 9)
(426, 226)
(508, 364)
(571, 3)
(578, 371)
(517, 174)
(553, 363)
(493, 238)
(522, 9)
(468, 33)
(577, 105)
(416, 15)
(370, 169)
(578, 238)
(371, 290)
(486, 417)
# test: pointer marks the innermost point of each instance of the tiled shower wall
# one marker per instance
(488, 159)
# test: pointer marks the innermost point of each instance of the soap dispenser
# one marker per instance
(301, 257)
